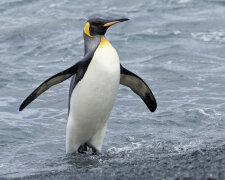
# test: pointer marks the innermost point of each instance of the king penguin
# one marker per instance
(93, 89)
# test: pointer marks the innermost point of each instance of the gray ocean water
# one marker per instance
(176, 46)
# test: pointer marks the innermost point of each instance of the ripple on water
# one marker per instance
(216, 37)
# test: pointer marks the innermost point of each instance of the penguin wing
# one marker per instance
(56, 79)
(137, 85)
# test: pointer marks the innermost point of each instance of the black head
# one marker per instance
(98, 26)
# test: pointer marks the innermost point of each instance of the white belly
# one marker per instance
(92, 100)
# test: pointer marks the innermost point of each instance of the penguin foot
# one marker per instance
(94, 150)
(83, 148)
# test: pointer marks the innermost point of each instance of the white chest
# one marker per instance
(93, 97)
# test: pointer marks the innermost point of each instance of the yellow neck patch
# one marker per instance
(104, 42)
(87, 29)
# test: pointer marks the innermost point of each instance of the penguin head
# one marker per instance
(98, 26)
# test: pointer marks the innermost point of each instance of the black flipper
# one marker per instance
(57, 78)
(138, 86)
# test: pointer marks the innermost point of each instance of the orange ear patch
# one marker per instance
(87, 29)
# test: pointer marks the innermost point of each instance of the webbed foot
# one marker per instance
(83, 148)
(94, 150)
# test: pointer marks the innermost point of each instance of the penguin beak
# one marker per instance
(115, 21)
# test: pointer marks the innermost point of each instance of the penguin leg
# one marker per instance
(83, 148)
(96, 141)
(94, 150)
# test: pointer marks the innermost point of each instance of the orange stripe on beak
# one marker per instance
(111, 23)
